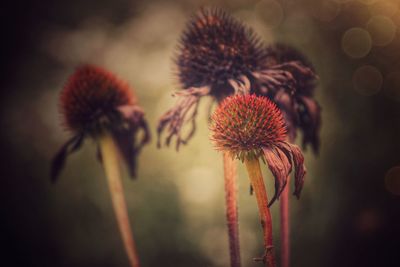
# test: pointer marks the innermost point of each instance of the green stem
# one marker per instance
(257, 181)
(230, 178)
(109, 154)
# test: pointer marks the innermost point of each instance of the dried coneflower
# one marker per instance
(95, 104)
(301, 112)
(215, 57)
(250, 127)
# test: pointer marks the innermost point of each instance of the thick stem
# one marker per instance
(230, 178)
(285, 225)
(257, 181)
(110, 162)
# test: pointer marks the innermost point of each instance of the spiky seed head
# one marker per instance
(90, 99)
(246, 124)
(215, 48)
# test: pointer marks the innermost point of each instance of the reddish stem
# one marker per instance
(257, 181)
(230, 177)
(285, 225)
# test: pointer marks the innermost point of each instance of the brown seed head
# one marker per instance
(90, 99)
(215, 48)
(245, 124)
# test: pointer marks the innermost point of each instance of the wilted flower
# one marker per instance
(249, 126)
(94, 101)
(219, 56)
(300, 109)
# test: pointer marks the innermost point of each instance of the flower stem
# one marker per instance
(110, 162)
(230, 177)
(285, 226)
(257, 181)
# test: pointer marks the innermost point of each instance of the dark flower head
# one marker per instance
(297, 103)
(251, 126)
(216, 48)
(94, 101)
(91, 99)
(216, 56)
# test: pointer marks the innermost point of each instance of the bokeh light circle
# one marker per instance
(392, 180)
(381, 29)
(356, 42)
(367, 80)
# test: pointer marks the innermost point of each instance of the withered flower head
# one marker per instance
(252, 126)
(93, 101)
(216, 49)
(216, 56)
(300, 109)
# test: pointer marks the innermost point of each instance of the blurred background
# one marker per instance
(349, 213)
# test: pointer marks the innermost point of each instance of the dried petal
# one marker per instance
(300, 170)
(125, 137)
(59, 159)
(183, 112)
(310, 121)
(280, 166)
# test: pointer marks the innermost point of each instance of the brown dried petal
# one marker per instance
(280, 166)
(310, 122)
(125, 137)
(183, 112)
(300, 169)
(59, 159)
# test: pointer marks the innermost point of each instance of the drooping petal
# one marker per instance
(286, 104)
(294, 153)
(183, 112)
(300, 170)
(280, 167)
(59, 159)
(125, 137)
(309, 121)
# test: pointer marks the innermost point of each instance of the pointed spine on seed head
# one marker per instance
(248, 126)
(216, 48)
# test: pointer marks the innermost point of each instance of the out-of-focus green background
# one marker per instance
(349, 213)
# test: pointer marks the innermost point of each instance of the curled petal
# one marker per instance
(183, 112)
(59, 159)
(271, 80)
(300, 170)
(310, 121)
(286, 104)
(241, 86)
(280, 166)
(125, 137)
(294, 153)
